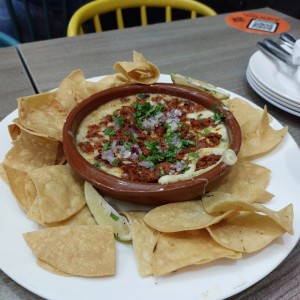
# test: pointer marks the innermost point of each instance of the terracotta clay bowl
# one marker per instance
(146, 193)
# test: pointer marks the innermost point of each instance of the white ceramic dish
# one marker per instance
(216, 280)
(270, 98)
(281, 100)
(275, 76)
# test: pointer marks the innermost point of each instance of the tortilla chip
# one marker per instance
(34, 213)
(246, 232)
(138, 71)
(30, 191)
(50, 268)
(31, 152)
(17, 122)
(83, 217)
(144, 239)
(177, 250)
(67, 94)
(60, 155)
(3, 175)
(243, 111)
(16, 183)
(76, 76)
(248, 181)
(43, 114)
(14, 131)
(59, 192)
(180, 216)
(83, 250)
(221, 202)
(259, 139)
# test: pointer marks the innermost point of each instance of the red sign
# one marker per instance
(257, 22)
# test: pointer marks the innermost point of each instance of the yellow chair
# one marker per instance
(92, 11)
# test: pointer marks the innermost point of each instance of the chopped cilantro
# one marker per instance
(109, 131)
(193, 155)
(146, 110)
(214, 107)
(133, 138)
(97, 165)
(161, 172)
(115, 162)
(185, 168)
(118, 120)
(170, 134)
(127, 145)
(114, 217)
(218, 117)
(157, 155)
(206, 131)
(187, 143)
(152, 146)
(106, 146)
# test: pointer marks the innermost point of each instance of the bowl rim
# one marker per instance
(111, 184)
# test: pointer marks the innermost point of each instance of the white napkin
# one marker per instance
(296, 53)
(296, 59)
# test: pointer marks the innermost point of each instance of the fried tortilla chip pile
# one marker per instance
(226, 223)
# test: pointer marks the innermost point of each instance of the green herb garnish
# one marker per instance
(106, 146)
(206, 131)
(146, 110)
(118, 120)
(161, 172)
(157, 155)
(115, 162)
(186, 144)
(97, 165)
(193, 155)
(109, 131)
(114, 217)
(218, 117)
(152, 146)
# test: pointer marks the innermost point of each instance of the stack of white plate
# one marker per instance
(275, 82)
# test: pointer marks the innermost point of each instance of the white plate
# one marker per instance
(275, 76)
(215, 280)
(281, 100)
(271, 99)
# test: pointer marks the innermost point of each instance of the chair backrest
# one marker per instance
(27, 23)
(34, 20)
(94, 9)
(6, 40)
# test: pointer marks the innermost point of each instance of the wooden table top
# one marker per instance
(14, 80)
(204, 48)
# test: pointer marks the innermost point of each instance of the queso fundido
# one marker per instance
(154, 137)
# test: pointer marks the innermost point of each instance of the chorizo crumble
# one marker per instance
(148, 136)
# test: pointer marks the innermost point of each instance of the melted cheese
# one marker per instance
(227, 155)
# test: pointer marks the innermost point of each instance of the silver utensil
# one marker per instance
(279, 51)
(265, 49)
(287, 39)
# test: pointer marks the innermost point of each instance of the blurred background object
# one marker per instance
(31, 20)
(7, 40)
(88, 18)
